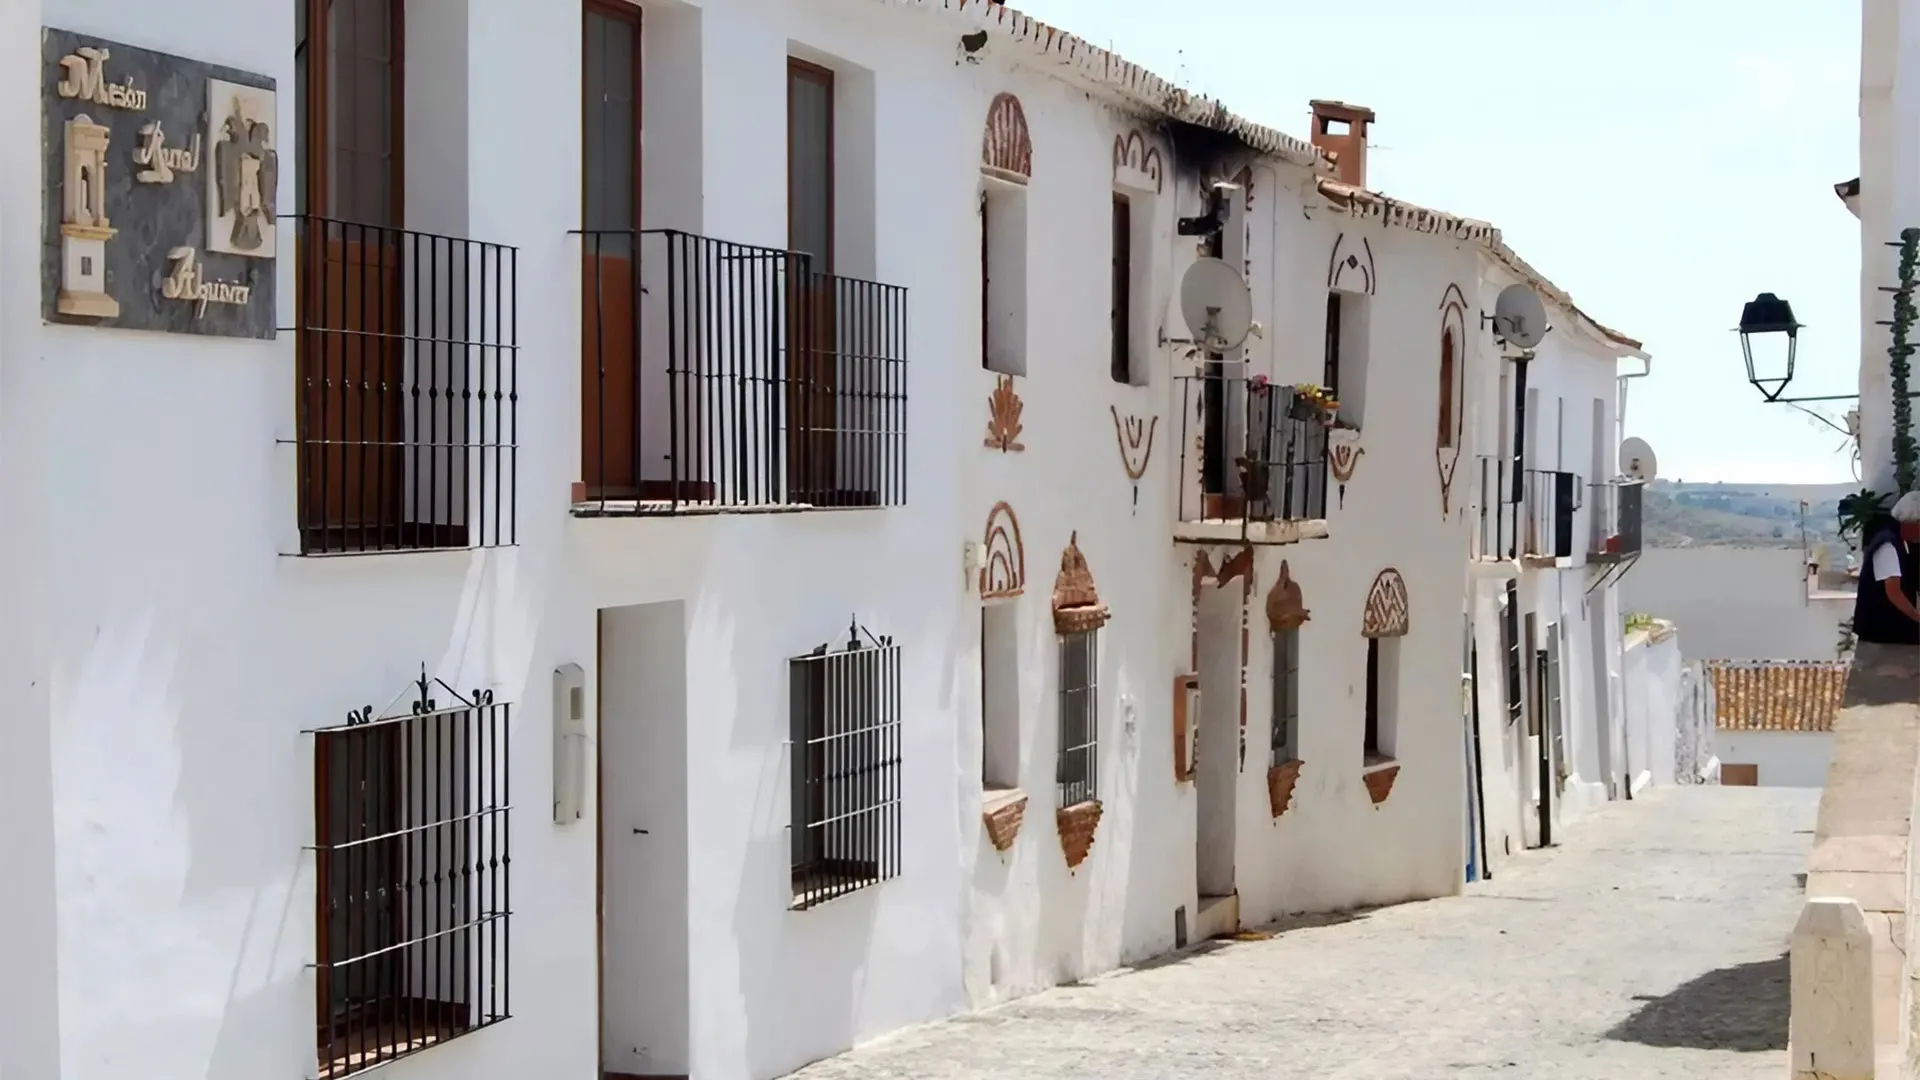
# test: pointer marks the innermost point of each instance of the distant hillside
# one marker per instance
(1680, 514)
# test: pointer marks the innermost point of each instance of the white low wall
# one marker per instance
(1784, 758)
(1652, 691)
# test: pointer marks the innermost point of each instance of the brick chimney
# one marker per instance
(1340, 130)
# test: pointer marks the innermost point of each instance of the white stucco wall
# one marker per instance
(1784, 758)
(1889, 202)
(1737, 603)
(1652, 682)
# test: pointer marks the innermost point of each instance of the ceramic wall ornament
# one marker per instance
(1003, 572)
(1386, 613)
(1006, 148)
(159, 176)
(1449, 435)
(1003, 417)
(1134, 434)
(1350, 265)
(1076, 601)
(1137, 163)
(1343, 456)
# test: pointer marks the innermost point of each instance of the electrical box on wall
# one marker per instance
(569, 743)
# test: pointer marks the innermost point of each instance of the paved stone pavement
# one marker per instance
(1651, 945)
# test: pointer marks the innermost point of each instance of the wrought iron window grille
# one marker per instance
(845, 760)
(407, 372)
(1261, 448)
(1077, 774)
(413, 856)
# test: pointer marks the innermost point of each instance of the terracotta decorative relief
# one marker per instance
(1136, 163)
(1386, 613)
(1453, 399)
(1350, 265)
(1003, 417)
(1286, 608)
(1002, 813)
(1281, 779)
(1006, 150)
(1380, 783)
(1003, 573)
(1134, 434)
(1077, 824)
(1343, 456)
(1076, 603)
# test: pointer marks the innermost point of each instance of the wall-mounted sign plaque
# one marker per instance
(161, 176)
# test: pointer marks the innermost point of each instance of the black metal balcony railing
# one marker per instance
(1498, 500)
(407, 365)
(1261, 450)
(1552, 499)
(1617, 518)
(723, 376)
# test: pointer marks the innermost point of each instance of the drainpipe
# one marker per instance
(1620, 400)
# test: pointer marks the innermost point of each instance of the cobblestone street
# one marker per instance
(1652, 944)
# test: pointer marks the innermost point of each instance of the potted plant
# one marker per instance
(1858, 512)
(1312, 401)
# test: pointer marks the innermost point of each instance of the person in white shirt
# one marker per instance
(1887, 608)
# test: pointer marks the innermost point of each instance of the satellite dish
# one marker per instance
(1216, 304)
(1519, 319)
(1637, 460)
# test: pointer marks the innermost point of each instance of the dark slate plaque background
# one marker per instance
(152, 219)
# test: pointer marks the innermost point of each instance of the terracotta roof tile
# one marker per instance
(1777, 695)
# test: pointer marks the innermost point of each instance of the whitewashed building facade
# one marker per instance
(1557, 529)
(597, 612)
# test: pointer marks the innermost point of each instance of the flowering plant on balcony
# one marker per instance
(1316, 401)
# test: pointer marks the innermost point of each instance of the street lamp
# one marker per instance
(1768, 314)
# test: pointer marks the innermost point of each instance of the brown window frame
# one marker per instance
(1331, 361)
(812, 375)
(1448, 360)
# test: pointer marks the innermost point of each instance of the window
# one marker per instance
(1383, 692)
(1344, 356)
(1446, 389)
(410, 835)
(610, 459)
(1286, 696)
(845, 758)
(405, 346)
(1078, 773)
(999, 696)
(1121, 326)
(1003, 277)
(1510, 648)
(813, 369)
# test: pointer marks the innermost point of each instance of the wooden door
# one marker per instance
(812, 369)
(1732, 775)
(351, 345)
(610, 284)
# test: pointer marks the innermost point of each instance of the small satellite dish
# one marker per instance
(1519, 319)
(1215, 302)
(1637, 460)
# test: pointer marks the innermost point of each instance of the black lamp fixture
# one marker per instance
(1768, 314)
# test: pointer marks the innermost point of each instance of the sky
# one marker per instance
(1663, 161)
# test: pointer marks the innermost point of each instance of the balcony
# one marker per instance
(1616, 521)
(1253, 461)
(1552, 498)
(722, 378)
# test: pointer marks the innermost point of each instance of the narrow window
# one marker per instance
(1330, 359)
(610, 282)
(1003, 271)
(1121, 326)
(1078, 771)
(1383, 680)
(1286, 696)
(1510, 649)
(1446, 389)
(410, 829)
(812, 376)
(999, 697)
(845, 760)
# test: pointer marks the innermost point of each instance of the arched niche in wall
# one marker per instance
(1452, 374)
